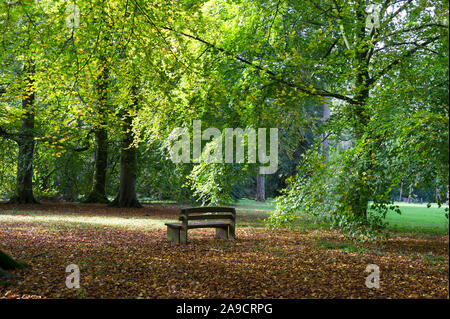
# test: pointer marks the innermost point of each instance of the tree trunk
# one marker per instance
(360, 201)
(401, 192)
(438, 195)
(98, 192)
(360, 117)
(8, 263)
(410, 194)
(127, 188)
(326, 116)
(260, 188)
(24, 182)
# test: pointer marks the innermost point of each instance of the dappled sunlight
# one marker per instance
(151, 216)
(224, 149)
(136, 261)
(124, 253)
(128, 222)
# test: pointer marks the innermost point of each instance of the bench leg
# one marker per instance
(232, 231)
(222, 233)
(173, 234)
(183, 236)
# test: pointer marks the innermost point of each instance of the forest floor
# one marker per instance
(123, 253)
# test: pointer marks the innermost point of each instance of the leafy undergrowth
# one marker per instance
(134, 259)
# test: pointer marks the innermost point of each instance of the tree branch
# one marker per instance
(277, 77)
(418, 28)
(312, 91)
(400, 59)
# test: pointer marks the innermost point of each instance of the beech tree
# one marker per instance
(120, 75)
(21, 80)
(98, 191)
(126, 196)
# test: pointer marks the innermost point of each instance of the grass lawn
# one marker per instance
(418, 218)
(415, 218)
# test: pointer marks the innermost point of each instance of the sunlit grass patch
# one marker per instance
(418, 218)
(62, 220)
(252, 205)
(414, 218)
(347, 247)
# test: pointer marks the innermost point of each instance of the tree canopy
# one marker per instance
(91, 90)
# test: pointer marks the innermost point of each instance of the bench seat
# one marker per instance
(177, 231)
(205, 224)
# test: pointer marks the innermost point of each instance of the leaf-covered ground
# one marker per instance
(123, 253)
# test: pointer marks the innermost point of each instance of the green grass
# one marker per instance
(58, 221)
(433, 260)
(347, 247)
(415, 218)
(250, 204)
(418, 218)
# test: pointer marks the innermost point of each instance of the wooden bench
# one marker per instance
(223, 219)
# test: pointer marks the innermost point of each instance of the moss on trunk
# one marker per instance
(8, 263)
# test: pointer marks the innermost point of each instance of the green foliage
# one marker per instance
(396, 128)
(212, 182)
(235, 64)
(158, 177)
(324, 189)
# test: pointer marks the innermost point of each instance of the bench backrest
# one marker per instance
(204, 213)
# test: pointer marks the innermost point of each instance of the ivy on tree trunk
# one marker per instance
(8, 263)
